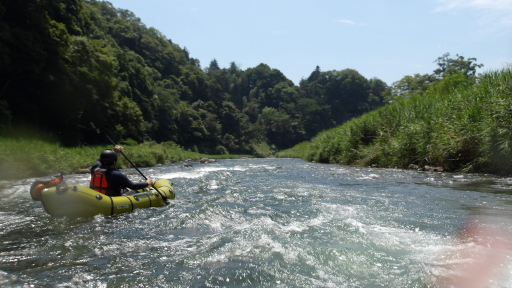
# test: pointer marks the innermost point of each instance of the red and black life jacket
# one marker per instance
(99, 181)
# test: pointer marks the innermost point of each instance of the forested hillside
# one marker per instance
(66, 63)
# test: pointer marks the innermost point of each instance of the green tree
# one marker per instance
(449, 66)
(315, 117)
(377, 93)
(346, 92)
(214, 65)
(459, 70)
(263, 78)
(281, 129)
(411, 85)
(236, 129)
(167, 110)
(450, 83)
(314, 75)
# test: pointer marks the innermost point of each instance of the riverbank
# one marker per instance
(26, 158)
(466, 128)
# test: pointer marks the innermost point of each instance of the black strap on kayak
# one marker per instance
(166, 200)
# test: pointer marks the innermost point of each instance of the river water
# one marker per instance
(269, 223)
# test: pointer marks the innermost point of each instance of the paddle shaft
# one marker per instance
(127, 159)
(166, 200)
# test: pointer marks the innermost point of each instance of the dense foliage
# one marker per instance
(67, 63)
(459, 123)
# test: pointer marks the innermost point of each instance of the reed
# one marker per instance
(464, 128)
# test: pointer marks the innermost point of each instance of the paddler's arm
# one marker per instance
(124, 182)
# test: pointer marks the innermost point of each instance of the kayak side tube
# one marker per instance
(66, 200)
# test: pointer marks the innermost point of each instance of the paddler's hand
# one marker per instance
(149, 181)
(118, 149)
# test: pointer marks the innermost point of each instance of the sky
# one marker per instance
(377, 38)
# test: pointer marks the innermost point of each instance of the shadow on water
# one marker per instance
(486, 186)
(468, 182)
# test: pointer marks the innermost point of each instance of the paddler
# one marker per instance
(108, 180)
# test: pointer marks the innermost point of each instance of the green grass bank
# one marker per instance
(466, 128)
(22, 158)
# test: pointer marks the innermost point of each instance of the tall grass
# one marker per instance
(465, 129)
(25, 158)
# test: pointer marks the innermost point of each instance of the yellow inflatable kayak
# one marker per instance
(61, 199)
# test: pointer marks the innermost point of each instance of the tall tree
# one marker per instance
(412, 85)
(214, 65)
(377, 93)
(459, 70)
(346, 92)
(449, 66)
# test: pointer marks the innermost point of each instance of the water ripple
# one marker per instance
(258, 223)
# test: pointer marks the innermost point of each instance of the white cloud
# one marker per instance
(494, 15)
(349, 22)
(495, 5)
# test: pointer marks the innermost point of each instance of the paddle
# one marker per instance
(166, 200)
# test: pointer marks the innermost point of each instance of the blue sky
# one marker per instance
(383, 39)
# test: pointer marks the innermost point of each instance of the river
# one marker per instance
(269, 223)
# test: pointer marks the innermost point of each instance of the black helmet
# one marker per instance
(108, 157)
